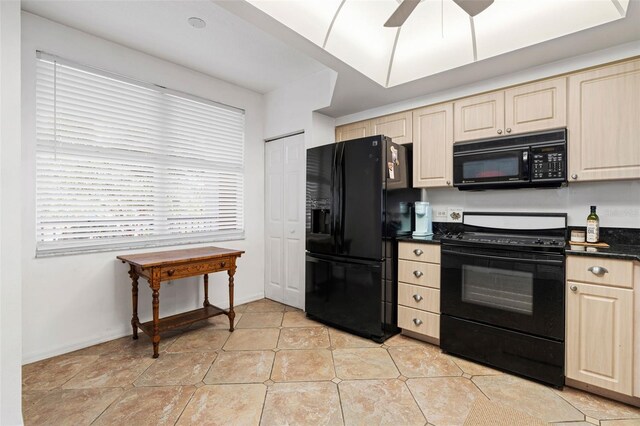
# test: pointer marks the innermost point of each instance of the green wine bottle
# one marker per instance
(593, 226)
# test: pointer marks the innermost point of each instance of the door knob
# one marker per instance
(417, 321)
(418, 274)
(417, 297)
(508, 130)
(574, 176)
(170, 272)
(598, 270)
(448, 182)
(418, 252)
(574, 288)
(499, 131)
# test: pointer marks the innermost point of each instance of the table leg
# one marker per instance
(232, 314)
(206, 290)
(155, 287)
(134, 301)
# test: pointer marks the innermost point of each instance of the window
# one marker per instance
(123, 164)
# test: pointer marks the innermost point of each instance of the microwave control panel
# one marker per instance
(549, 162)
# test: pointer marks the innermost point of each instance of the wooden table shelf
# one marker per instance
(170, 265)
(182, 319)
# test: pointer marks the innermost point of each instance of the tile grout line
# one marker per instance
(108, 406)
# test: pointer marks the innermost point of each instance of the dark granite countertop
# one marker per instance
(615, 251)
(624, 243)
(434, 239)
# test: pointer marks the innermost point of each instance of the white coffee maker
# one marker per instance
(424, 218)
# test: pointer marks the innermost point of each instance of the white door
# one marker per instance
(285, 207)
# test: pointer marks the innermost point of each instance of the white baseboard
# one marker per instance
(123, 331)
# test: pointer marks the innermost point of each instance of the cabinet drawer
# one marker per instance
(419, 252)
(419, 321)
(425, 274)
(193, 269)
(414, 296)
(619, 273)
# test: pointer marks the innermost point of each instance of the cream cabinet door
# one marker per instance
(479, 116)
(599, 336)
(353, 131)
(604, 123)
(433, 146)
(397, 126)
(536, 106)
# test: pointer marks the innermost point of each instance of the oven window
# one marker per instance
(503, 166)
(498, 288)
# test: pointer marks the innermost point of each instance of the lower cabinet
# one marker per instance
(600, 324)
(419, 289)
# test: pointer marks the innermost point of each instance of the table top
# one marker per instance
(163, 258)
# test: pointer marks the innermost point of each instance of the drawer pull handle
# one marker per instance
(418, 252)
(417, 321)
(418, 274)
(223, 264)
(417, 297)
(170, 272)
(598, 270)
(574, 288)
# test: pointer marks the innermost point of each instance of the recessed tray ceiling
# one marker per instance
(438, 35)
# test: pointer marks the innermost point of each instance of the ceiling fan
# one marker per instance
(472, 7)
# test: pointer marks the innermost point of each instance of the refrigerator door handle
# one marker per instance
(333, 196)
(341, 198)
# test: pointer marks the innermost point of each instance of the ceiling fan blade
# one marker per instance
(473, 7)
(402, 13)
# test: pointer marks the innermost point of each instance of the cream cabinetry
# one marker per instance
(353, 131)
(600, 323)
(398, 127)
(479, 116)
(419, 289)
(530, 107)
(604, 123)
(433, 146)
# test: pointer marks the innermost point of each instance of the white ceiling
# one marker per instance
(245, 46)
(227, 48)
(437, 36)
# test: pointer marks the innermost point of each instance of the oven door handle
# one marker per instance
(511, 259)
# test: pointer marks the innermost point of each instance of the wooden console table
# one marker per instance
(170, 265)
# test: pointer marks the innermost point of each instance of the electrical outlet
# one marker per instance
(454, 214)
(440, 214)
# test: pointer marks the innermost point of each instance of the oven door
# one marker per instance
(491, 168)
(521, 291)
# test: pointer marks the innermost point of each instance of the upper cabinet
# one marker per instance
(397, 126)
(433, 146)
(353, 131)
(479, 116)
(604, 123)
(527, 108)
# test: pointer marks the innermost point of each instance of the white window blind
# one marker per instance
(123, 164)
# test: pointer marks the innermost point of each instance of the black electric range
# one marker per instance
(502, 293)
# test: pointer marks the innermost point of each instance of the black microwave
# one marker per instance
(519, 161)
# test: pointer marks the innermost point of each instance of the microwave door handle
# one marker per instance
(525, 166)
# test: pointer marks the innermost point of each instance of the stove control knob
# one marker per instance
(459, 236)
(554, 242)
(539, 241)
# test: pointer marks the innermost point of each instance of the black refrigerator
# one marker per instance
(359, 199)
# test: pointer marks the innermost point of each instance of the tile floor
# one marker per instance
(279, 368)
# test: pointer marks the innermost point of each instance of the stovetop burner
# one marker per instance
(506, 239)
(503, 230)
